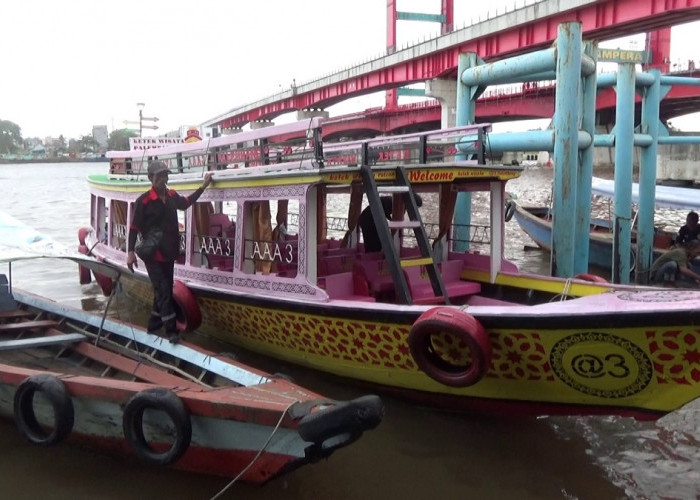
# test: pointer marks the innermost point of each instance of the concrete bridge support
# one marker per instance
(256, 125)
(445, 92)
(304, 114)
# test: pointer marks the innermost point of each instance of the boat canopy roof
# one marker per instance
(665, 197)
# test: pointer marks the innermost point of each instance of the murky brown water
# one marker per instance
(415, 453)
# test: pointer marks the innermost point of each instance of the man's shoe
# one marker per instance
(174, 338)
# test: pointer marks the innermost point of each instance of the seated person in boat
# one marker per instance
(368, 228)
(691, 229)
(673, 268)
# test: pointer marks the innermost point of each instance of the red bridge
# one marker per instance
(529, 28)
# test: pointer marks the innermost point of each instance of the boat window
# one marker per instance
(99, 213)
(214, 236)
(118, 220)
(270, 248)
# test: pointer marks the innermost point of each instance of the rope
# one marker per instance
(255, 458)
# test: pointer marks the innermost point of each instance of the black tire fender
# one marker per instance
(509, 211)
(57, 395)
(166, 401)
(343, 417)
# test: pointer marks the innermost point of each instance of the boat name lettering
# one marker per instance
(349, 159)
(261, 251)
(591, 366)
(212, 246)
(428, 176)
(399, 154)
(241, 155)
(197, 161)
(119, 230)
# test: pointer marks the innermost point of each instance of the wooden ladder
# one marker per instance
(401, 186)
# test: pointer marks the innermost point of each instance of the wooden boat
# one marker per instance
(66, 374)
(444, 319)
(536, 222)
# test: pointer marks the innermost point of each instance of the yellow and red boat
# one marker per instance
(273, 260)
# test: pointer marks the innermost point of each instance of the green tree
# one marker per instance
(119, 139)
(10, 137)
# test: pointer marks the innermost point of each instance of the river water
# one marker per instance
(415, 453)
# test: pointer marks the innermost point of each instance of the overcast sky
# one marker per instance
(70, 64)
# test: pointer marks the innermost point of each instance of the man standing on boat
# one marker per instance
(370, 236)
(157, 209)
(673, 268)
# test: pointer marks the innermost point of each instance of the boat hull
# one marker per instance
(234, 421)
(585, 359)
(537, 224)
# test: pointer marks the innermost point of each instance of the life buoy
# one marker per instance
(82, 233)
(510, 210)
(84, 272)
(56, 394)
(106, 283)
(188, 315)
(461, 328)
(166, 401)
(590, 277)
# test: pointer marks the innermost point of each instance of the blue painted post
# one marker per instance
(624, 137)
(466, 112)
(585, 173)
(647, 179)
(566, 121)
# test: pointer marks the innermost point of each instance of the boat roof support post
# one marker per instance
(624, 149)
(585, 171)
(497, 228)
(651, 98)
(566, 154)
(466, 113)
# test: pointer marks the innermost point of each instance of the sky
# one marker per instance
(70, 64)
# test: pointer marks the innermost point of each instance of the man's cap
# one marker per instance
(156, 167)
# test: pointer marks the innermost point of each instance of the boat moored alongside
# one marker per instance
(439, 317)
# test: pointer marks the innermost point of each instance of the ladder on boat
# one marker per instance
(401, 186)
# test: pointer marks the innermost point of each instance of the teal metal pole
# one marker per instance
(585, 172)
(566, 122)
(510, 70)
(651, 99)
(624, 136)
(466, 111)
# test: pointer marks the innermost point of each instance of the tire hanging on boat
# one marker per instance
(82, 233)
(509, 211)
(591, 277)
(106, 283)
(56, 394)
(188, 315)
(467, 331)
(166, 401)
(84, 272)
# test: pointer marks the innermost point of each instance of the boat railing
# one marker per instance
(289, 146)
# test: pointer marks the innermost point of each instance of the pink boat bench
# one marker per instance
(422, 291)
(343, 286)
(377, 274)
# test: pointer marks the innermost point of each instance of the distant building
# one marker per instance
(99, 133)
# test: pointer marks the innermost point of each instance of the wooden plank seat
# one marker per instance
(27, 325)
(342, 286)
(7, 345)
(16, 314)
(422, 291)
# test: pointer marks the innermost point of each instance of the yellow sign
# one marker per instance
(623, 56)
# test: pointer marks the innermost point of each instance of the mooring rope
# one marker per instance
(255, 458)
